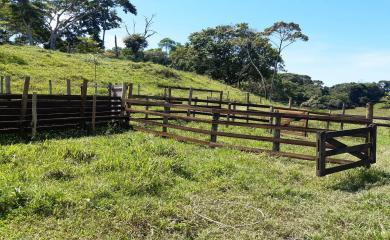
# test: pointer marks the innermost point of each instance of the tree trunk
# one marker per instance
(53, 40)
(104, 39)
(29, 35)
(116, 48)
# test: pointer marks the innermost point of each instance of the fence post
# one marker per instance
(271, 119)
(307, 123)
(68, 88)
(343, 113)
(167, 110)
(227, 97)
(247, 107)
(139, 89)
(1, 85)
(370, 112)
(7, 84)
(320, 154)
(214, 127)
(196, 104)
(372, 152)
(123, 103)
(189, 101)
(24, 103)
(220, 99)
(290, 102)
(147, 109)
(50, 87)
(169, 94)
(34, 113)
(228, 114)
(94, 113)
(276, 145)
(234, 109)
(84, 89)
(328, 122)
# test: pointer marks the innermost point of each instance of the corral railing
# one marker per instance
(29, 113)
(159, 115)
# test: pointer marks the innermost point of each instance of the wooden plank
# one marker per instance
(23, 110)
(232, 135)
(351, 132)
(337, 144)
(350, 149)
(343, 167)
(34, 115)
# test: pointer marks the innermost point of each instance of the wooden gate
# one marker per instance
(365, 152)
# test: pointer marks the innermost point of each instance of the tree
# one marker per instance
(28, 19)
(137, 42)
(82, 16)
(167, 44)
(282, 35)
(222, 53)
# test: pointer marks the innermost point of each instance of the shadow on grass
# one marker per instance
(362, 179)
(103, 130)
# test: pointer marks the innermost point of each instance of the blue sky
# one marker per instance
(349, 40)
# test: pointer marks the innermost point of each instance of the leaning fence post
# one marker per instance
(214, 127)
(276, 132)
(8, 85)
(320, 154)
(24, 103)
(343, 113)
(34, 114)
(1, 85)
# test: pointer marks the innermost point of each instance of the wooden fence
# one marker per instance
(28, 113)
(158, 114)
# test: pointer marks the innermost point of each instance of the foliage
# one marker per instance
(156, 56)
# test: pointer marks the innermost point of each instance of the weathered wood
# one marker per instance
(370, 112)
(84, 90)
(373, 141)
(34, 112)
(271, 119)
(166, 116)
(214, 127)
(1, 84)
(349, 149)
(50, 87)
(190, 93)
(68, 87)
(343, 114)
(23, 111)
(320, 154)
(343, 167)
(289, 102)
(276, 133)
(94, 113)
(7, 84)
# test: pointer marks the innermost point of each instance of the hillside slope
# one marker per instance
(44, 65)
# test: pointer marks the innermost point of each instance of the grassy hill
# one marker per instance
(131, 185)
(44, 65)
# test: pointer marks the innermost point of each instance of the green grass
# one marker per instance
(130, 185)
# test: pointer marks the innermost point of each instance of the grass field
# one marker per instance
(129, 185)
